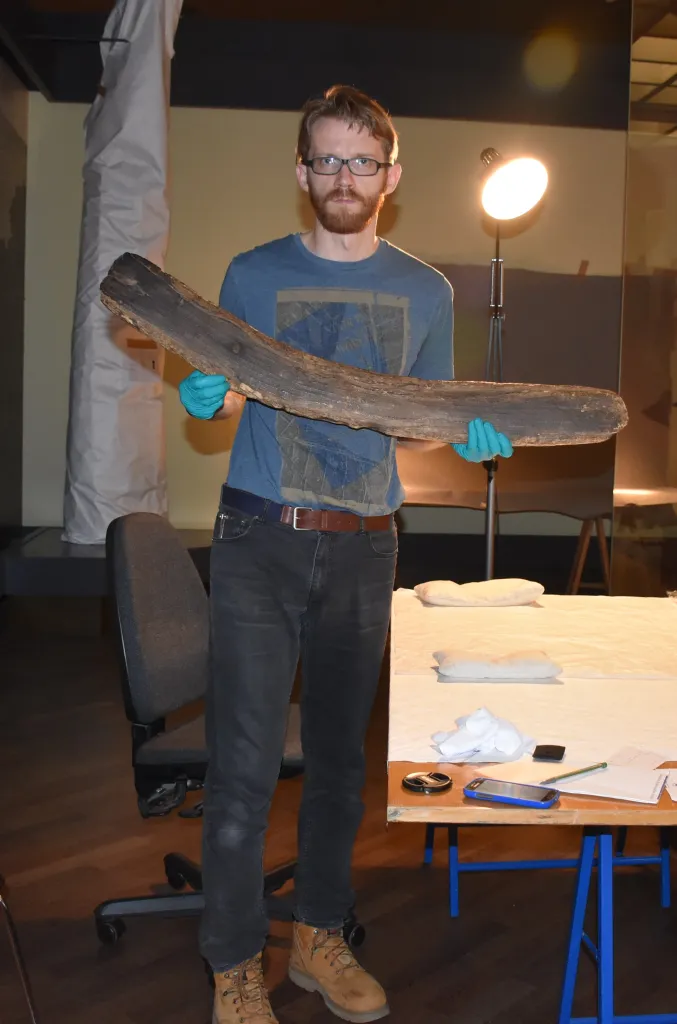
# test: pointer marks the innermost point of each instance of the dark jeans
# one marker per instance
(277, 593)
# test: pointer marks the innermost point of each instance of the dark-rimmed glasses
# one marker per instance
(362, 166)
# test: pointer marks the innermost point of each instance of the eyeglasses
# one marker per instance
(363, 166)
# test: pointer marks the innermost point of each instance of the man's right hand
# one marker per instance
(202, 394)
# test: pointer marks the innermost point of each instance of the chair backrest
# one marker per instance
(161, 616)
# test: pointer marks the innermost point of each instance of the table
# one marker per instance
(597, 817)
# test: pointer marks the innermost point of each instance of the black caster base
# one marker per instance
(110, 931)
(354, 933)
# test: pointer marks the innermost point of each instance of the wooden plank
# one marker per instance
(451, 807)
(282, 377)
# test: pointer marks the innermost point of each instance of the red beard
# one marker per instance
(346, 220)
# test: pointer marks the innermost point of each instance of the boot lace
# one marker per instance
(336, 950)
(250, 997)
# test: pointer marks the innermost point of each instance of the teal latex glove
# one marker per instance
(484, 443)
(202, 394)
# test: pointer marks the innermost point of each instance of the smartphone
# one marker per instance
(496, 791)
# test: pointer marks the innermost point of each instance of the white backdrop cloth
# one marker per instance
(115, 448)
(618, 686)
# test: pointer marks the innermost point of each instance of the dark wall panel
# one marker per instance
(12, 251)
(559, 329)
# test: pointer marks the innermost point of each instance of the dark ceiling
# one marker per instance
(274, 53)
(501, 14)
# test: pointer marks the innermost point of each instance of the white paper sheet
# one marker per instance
(633, 756)
(637, 785)
(671, 784)
(594, 718)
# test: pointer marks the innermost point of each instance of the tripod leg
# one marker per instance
(18, 958)
(490, 519)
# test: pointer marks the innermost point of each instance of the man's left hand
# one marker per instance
(484, 443)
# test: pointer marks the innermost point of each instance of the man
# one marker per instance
(289, 579)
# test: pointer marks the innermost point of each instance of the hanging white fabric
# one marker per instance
(115, 449)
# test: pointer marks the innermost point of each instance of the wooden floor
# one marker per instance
(71, 837)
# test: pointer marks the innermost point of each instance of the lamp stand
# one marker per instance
(494, 372)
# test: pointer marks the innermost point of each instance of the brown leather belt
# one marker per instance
(330, 520)
(323, 519)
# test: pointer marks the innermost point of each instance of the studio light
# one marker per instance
(510, 188)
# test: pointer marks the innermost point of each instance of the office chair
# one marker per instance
(161, 625)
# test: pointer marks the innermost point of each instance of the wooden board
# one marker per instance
(451, 807)
(282, 377)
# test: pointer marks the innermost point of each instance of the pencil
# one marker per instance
(578, 771)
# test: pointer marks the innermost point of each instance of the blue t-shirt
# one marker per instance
(390, 313)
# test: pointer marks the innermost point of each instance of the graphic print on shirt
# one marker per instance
(327, 462)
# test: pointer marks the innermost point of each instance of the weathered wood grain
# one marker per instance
(282, 377)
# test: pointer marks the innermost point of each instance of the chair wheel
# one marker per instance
(110, 931)
(176, 881)
(354, 933)
(144, 807)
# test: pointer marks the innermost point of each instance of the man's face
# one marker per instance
(346, 203)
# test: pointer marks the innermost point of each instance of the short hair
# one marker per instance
(347, 104)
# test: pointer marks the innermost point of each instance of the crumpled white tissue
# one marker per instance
(482, 737)
(470, 666)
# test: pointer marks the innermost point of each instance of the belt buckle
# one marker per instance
(297, 509)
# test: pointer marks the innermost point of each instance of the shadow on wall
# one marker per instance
(559, 329)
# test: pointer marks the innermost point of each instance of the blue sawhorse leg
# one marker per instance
(663, 859)
(429, 844)
(665, 866)
(577, 921)
(453, 863)
(454, 886)
(603, 951)
(457, 867)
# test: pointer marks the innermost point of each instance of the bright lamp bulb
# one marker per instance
(514, 188)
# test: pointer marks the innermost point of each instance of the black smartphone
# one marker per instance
(548, 752)
(497, 791)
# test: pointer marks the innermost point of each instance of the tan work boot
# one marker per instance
(240, 995)
(321, 961)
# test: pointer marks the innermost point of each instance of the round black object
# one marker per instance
(427, 782)
(354, 934)
(110, 931)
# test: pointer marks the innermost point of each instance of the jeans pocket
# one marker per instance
(383, 542)
(231, 524)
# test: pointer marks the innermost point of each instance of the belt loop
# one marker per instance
(362, 529)
(263, 515)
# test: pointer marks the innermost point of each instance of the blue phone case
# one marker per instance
(514, 801)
